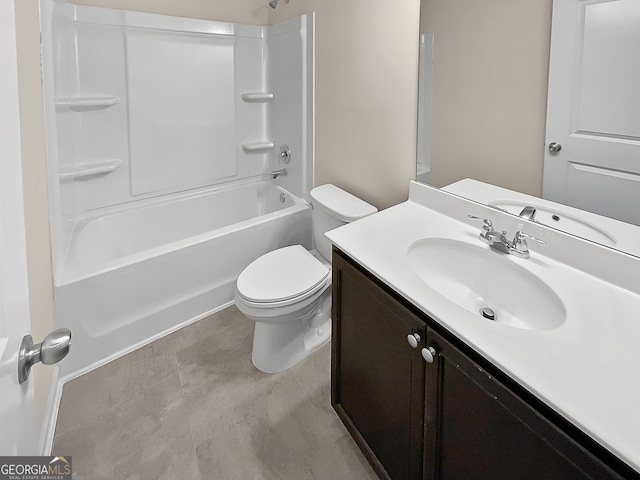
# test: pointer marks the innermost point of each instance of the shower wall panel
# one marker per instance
(146, 105)
(289, 46)
(181, 110)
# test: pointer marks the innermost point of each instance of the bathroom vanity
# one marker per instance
(429, 389)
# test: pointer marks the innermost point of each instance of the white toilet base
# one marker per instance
(277, 347)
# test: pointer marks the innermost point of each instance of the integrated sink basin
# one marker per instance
(486, 283)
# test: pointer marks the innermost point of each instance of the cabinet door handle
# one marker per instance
(413, 339)
(429, 354)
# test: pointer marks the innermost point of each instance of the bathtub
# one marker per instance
(135, 274)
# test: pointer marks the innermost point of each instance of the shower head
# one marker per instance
(274, 3)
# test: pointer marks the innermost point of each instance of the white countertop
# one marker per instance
(586, 369)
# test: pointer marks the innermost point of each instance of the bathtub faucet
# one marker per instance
(279, 173)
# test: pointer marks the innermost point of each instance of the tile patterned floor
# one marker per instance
(192, 406)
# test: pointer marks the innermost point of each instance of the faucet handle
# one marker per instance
(488, 224)
(519, 246)
(487, 233)
(520, 236)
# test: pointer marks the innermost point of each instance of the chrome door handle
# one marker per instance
(555, 147)
(53, 348)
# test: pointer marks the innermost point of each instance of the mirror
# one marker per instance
(488, 119)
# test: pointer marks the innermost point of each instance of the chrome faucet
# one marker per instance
(528, 212)
(279, 173)
(499, 241)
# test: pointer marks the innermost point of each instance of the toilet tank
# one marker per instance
(332, 208)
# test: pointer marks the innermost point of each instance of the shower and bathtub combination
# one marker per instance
(163, 136)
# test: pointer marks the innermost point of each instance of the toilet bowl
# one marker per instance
(287, 292)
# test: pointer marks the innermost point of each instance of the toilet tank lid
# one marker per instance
(340, 204)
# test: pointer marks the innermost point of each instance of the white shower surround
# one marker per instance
(160, 187)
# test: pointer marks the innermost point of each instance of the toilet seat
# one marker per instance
(282, 277)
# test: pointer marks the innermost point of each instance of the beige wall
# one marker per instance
(366, 94)
(490, 67)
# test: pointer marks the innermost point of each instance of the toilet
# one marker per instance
(287, 292)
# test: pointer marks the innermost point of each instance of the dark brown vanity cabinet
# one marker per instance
(451, 416)
(377, 385)
(480, 429)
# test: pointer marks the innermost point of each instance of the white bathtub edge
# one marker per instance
(66, 277)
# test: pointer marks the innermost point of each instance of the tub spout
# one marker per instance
(279, 173)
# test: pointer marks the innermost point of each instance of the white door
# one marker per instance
(593, 109)
(17, 424)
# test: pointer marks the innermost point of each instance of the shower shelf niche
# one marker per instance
(257, 146)
(257, 96)
(87, 102)
(90, 169)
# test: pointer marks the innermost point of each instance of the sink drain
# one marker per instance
(488, 313)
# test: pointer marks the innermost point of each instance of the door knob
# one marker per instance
(555, 147)
(53, 348)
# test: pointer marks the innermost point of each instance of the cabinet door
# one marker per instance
(377, 378)
(477, 429)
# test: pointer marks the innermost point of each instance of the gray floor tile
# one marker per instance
(192, 406)
(93, 393)
(313, 375)
(220, 382)
(144, 437)
(278, 439)
(207, 327)
(358, 465)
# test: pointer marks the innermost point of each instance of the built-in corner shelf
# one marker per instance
(257, 146)
(91, 169)
(257, 96)
(86, 103)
